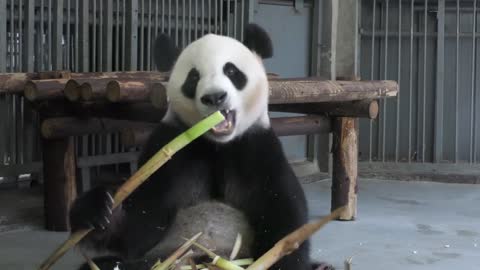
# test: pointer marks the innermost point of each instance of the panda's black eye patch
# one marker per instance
(189, 87)
(238, 78)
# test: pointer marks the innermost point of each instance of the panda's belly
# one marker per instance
(219, 224)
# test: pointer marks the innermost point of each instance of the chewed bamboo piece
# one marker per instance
(292, 241)
(160, 158)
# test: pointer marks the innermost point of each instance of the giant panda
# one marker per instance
(233, 180)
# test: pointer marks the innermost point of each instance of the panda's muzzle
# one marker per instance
(227, 126)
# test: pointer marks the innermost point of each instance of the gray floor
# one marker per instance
(401, 225)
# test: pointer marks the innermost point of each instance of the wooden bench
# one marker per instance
(74, 104)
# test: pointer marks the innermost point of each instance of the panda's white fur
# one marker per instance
(208, 55)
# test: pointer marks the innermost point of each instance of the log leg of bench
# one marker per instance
(344, 173)
(59, 181)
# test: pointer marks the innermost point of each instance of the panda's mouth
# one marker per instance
(226, 126)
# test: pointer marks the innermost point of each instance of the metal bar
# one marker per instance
(176, 23)
(77, 41)
(242, 25)
(410, 90)
(100, 46)
(235, 32)
(203, 18)
(107, 35)
(228, 17)
(457, 67)
(169, 18)
(385, 70)
(84, 39)
(57, 34)
(124, 27)
(12, 34)
(29, 36)
(439, 94)
(473, 141)
(221, 16)
(132, 32)
(209, 16)
(196, 20)
(142, 35)
(117, 36)
(399, 77)
(3, 35)
(184, 11)
(21, 130)
(149, 36)
(424, 100)
(94, 35)
(49, 36)
(189, 21)
(372, 71)
(19, 60)
(13, 128)
(163, 16)
(67, 38)
(432, 35)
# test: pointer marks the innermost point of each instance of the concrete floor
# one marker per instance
(400, 225)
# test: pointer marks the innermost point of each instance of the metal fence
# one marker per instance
(430, 47)
(91, 35)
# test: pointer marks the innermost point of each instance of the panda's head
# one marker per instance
(218, 73)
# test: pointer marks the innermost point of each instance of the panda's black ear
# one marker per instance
(258, 40)
(165, 53)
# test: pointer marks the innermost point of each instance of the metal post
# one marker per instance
(107, 35)
(57, 34)
(132, 34)
(3, 35)
(439, 94)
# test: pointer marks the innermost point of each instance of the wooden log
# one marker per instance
(72, 90)
(356, 108)
(283, 126)
(345, 172)
(94, 89)
(313, 90)
(14, 83)
(300, 125)
(131, 75)
(44, 89)
(62, 127)
(127, 90)
(60, 181)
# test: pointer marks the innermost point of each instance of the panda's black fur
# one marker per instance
(249, 173)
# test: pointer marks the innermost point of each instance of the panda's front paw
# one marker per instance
(92, 210)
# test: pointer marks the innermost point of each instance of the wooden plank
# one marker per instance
(90, 161)
(356, 108)
(60, 181)
(345, 166)
(313, 90)
(282, 126)
(69, 126)
(17, 169)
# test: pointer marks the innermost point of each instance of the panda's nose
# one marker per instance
(214, 99)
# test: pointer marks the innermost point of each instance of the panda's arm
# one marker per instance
(133, 227)
(285, 207)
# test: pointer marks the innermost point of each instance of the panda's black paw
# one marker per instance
(92, 210)
(322, 266)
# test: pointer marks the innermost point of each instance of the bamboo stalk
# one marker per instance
(162, 156)
(292, 242)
